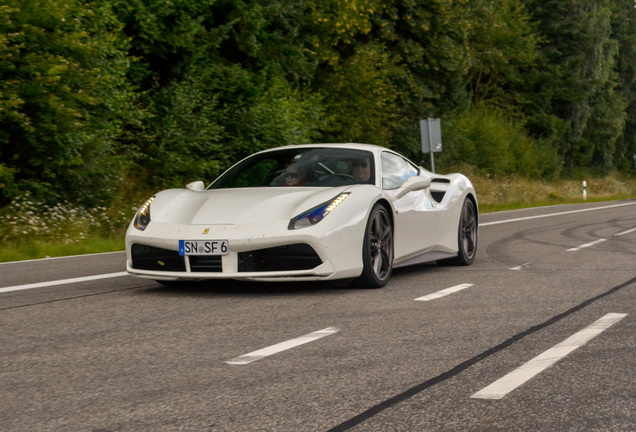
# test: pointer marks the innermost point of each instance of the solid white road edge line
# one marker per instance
(444, 292)
(62, 282)
(625, 232)
(516, 378)
(265, 352)
(62, 257)
(586, 245)
(553, 214)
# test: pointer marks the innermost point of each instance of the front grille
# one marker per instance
(200, 263)
(152, 258)
(282, 258)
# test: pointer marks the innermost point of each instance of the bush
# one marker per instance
(498, 144)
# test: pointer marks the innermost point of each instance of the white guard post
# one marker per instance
(584, 190)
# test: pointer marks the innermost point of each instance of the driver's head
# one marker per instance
(295, 175)
(361, 169)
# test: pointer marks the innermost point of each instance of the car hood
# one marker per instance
(237, 206)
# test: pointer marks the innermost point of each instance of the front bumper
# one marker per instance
(315, 253)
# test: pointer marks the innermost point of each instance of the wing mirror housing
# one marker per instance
(196, 186)
(413, 183)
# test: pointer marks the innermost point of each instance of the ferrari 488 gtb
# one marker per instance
(306, 212)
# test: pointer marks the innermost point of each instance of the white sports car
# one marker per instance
(306, 212)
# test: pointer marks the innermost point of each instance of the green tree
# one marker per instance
(624, 31)
(578, 82)
(220, 79)
(63, 95)
(363, 98)
(503, 46)
(383, 66)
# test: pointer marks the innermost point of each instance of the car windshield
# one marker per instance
(305, 166)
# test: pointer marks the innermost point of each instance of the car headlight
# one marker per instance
(142, 218)
(316, 214)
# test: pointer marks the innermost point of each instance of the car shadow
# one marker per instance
(418, 268)
(235, 288)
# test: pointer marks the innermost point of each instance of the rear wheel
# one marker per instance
(466, 235)
(377, 250)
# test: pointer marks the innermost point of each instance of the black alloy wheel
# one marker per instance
(467, 235)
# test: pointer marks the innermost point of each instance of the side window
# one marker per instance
(395, 170)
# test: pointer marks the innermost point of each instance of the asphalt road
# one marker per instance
(549, 304)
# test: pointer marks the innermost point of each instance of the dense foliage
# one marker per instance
(99, 98)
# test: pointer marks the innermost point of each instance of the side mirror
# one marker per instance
(411, 184)
(196, 186)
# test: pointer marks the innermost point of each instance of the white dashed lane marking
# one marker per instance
(625, 232)
(265, 352)
(586, 245)
(444, 292)
(516, 378)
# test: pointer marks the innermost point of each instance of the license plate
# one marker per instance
(203, 247)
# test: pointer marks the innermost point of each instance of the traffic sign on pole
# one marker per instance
(431, 133)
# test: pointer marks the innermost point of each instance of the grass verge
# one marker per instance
(516, 193)
(30, 230)
(34, 249)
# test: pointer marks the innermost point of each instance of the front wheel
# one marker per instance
(377, 250)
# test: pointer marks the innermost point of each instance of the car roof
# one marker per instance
(354, 146)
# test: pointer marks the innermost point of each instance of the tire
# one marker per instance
(377, 250)
(466, 235)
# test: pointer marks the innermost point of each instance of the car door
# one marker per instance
(416, 218)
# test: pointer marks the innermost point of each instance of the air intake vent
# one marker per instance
(200, 263)
(282, 258)
(152, 258)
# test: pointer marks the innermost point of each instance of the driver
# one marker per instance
(295, 175)
(361, 170)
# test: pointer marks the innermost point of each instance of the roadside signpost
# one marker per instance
(431, 132)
